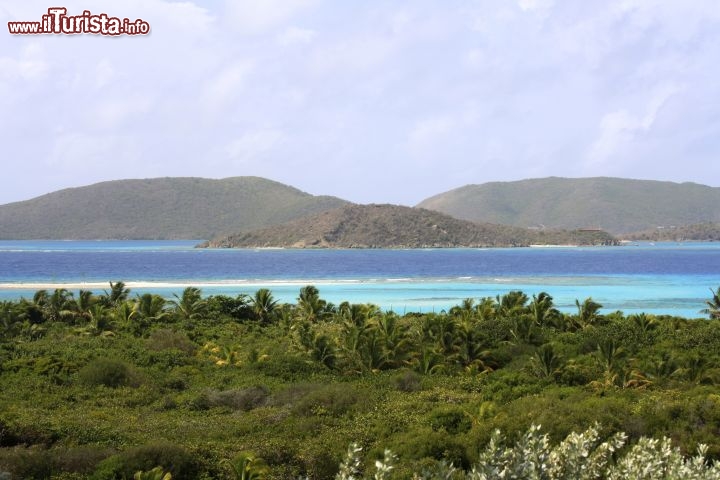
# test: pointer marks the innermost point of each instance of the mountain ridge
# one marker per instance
(200, 208)
(395, 226)
(159, 208)
(699, 232)
(617, 205)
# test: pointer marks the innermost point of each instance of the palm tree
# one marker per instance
(323, 351)
(9, 319)
(40, 298)
(696, 368)
(644, 323)
(124, 313)
(156, 473)
(310, 306)
(246, 466)
(443, 331)
(150, 307)
(98, 321)
(511, 304)
(713, 305)
(465, 309)
(428, 361)
(635, 378)
(227, 355)
(542, 309)
(588, 312)
(546, 362)
(485, 309)
(373, 354)
(665, 366)
(353, 338)
(81, 305)
(394, 337)
(191, 305)
(33, 311)
(357, 313)
(523, 328)
(118, 294)
(263, 305)
(57, 306)
(610, 356)
(471, 351)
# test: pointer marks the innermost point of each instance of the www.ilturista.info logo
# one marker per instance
(58, 22)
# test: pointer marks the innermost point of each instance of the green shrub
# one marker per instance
(237, 308)
(292, 394)
(452, 420)
(80, 460)
(166, 360)
(27, 463)
(175, 380)
(332, 400)
(171, 458)
(12, 434)
(166, 339)
(36, 463)
(243, 399)
(435, 445)
(287, 367)
(200, 402)
(408, 381)
(282, 456)
(320, 465)
(107, 372)
(505, 385)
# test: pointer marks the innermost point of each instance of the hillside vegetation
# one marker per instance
(159, 208)
(393, 226)
(220, 387)
(708, 232)
(613, 204)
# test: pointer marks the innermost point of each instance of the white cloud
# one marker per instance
(428, 132)
(619, 128)
(115, 113)
(30, 64)
(179, 16)
(226, 85)
(269, 86)
(253, 144)
(354, 55)
(531, 5)
(104, 72)
(295, 36)
(258, 16)
(77, 151)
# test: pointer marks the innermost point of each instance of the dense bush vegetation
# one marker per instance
(104, 386)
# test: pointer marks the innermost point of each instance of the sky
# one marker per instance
(369, 100)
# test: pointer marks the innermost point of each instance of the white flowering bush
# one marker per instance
(581, 456)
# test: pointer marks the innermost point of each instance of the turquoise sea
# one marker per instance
(663, 278)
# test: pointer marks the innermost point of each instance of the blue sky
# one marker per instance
(372, 101)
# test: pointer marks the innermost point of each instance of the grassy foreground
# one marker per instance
(243, 387)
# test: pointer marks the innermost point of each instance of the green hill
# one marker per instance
(707, 232)
(613, 204)
(393, 226)
(159, 208)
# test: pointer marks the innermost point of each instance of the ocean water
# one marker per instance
(663, 278)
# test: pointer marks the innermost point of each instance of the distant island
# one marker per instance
(393, 226)
(707, 232)
(159, 209)
(616, 205)
(537, 211)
